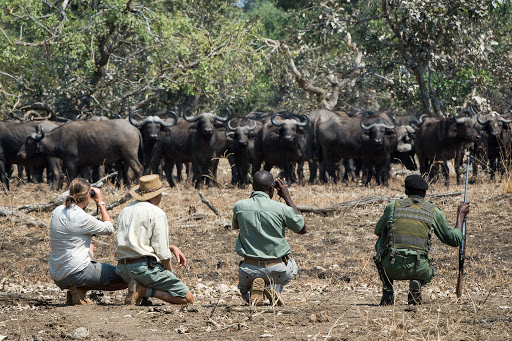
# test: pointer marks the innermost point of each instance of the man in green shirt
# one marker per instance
(405, 231)
(267, 265)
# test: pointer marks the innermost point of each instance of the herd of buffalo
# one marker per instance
(336, 145)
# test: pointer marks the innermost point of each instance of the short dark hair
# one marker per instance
(262, 181)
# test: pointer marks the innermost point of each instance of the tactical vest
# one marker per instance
(411, 227)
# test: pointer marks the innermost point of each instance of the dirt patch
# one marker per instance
(335, 296)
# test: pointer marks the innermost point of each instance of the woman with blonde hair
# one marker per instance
(71, 258)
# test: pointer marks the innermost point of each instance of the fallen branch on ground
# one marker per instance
(116, 203)
(205, 201)
(363, 201)
(20, 217)
(50, 205)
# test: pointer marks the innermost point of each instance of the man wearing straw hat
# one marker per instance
(405, 230)
(143, 250)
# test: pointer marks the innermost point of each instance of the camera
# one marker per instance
(93, 194)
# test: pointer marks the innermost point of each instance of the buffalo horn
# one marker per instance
(78, 117)
(390, 127)
(422, 118)
(365, 127)
(166, 124)
(253, 125)
(305, 122)
(278, 124)
(224, 119)
(230, 127)
(39, 135)
(479, 119)
(191, 119)
(133, 121)
(118, 116)
(504, 120)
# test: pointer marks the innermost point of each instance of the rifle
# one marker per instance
(462, 248)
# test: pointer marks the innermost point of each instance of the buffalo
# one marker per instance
(378, 143)
(282, 143)
(150, 128)
(442, 140)
(496, 130)
(12, 138)
(81, 144)
(240, 150)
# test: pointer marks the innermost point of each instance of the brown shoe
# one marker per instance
(77, 296)
(136, 291)
(258, 286)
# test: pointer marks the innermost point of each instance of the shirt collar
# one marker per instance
(259, 194)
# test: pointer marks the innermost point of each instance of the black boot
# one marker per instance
(388, 298)
(414, 296)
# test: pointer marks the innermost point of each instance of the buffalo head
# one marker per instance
(494, 125)
(461, 129)
(292, 125)
(207, 122)
(240, 134)
(151, 126)
(376, 128)
(32, 144)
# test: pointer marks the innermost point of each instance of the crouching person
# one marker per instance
(71, 257)
(267, 265)
(143, 252)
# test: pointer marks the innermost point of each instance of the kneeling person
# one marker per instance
(405, 231)
(267, 265)
(143, 251)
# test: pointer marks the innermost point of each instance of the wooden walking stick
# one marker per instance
(462, 248)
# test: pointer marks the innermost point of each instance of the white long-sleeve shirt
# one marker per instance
(142, 230)
(70, 238)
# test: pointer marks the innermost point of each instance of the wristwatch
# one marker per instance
(101, 203)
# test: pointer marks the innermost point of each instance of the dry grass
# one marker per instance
(336, 272)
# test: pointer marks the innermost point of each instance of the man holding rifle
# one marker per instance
(405, 231)
(266, 266)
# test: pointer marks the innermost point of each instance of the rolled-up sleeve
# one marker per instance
(160, 238)
(91, 225)
(234, 220)
(444, 231)
(292, 220)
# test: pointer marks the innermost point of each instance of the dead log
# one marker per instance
(363, 201)
(116, 203)
(51, 205)
(209, 204)
(22, 218)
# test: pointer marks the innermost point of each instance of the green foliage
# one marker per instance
(117, 55)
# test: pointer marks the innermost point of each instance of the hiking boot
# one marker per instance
(414, 295)
(136, 292)
(77, 296)
(388, 298)
(258, 286)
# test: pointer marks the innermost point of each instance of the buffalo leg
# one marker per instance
(168, 169)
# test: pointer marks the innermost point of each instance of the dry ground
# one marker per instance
(335, 296)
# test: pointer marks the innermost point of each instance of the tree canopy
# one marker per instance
(66, 57)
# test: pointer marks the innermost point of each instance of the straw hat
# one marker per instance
(149, 187)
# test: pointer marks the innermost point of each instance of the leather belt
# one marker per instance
(132, 260)
(265, 262)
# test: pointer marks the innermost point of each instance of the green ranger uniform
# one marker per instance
(404, 232)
